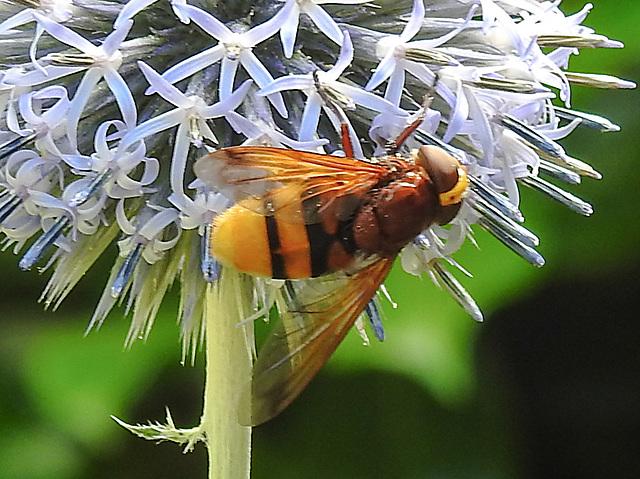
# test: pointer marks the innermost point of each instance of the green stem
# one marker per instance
(229, 360)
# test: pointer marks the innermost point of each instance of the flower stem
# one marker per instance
(229, 360)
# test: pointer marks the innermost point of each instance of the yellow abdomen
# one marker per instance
(271, 245)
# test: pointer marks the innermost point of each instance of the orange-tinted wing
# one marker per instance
(315, 315)
(248, 174)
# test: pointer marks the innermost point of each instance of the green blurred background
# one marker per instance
(548, 386)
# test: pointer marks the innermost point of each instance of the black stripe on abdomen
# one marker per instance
(319, 240)
(277, 261)
(319, 243)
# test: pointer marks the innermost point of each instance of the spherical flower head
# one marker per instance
(106, 106)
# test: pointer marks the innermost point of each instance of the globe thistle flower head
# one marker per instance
(99, 135)
(106, 106)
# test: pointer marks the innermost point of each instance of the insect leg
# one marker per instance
(393, 146)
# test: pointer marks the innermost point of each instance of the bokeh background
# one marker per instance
(548, 386)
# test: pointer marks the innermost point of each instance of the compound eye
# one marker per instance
(441, 167)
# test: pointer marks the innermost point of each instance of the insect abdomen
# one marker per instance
(280, 243)
(240, 240)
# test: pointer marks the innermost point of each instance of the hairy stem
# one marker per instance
(229, 360)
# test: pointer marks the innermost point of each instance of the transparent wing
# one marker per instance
(269, 180)
(317, 315)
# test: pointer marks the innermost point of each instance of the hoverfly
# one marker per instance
(330, 226)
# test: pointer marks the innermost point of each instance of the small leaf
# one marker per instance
(165, 432)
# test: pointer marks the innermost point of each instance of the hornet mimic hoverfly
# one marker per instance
(331, 227)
